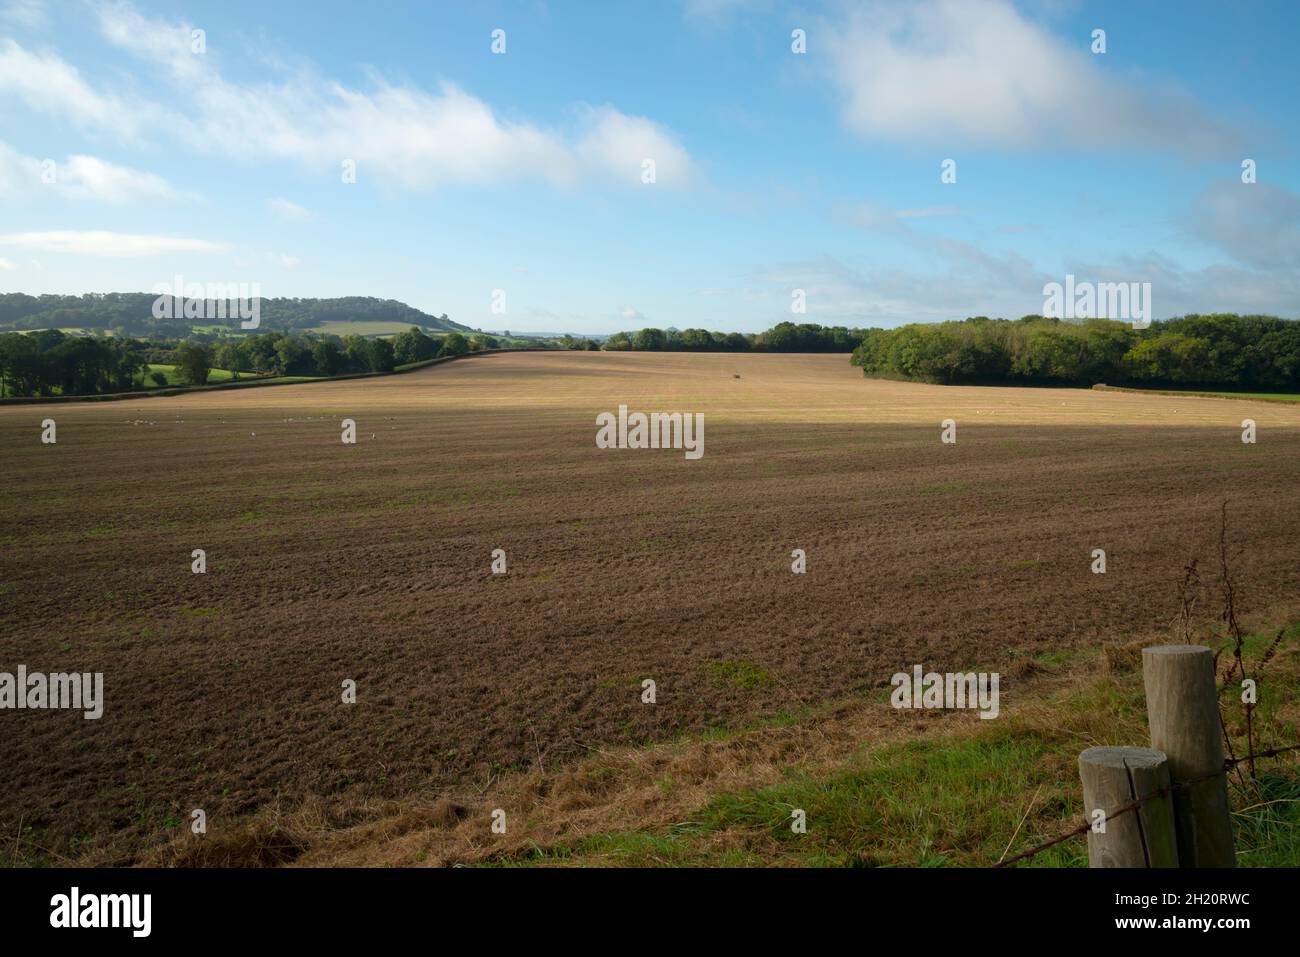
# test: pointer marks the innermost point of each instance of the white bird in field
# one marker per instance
(253, 434)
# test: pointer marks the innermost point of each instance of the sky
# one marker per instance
(604, 166)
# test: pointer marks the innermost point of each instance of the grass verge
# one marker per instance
(877, 787)
(972, 798)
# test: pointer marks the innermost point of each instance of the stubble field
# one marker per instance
(329, 562)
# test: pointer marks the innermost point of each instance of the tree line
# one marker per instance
(46, 362)
(49, 362)
(783, 337)
(1208, 351)
(327, 355)
(1222, 351)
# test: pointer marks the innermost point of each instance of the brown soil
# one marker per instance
(371, 562)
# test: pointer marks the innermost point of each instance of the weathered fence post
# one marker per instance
(1183, 708)
(1143, 837)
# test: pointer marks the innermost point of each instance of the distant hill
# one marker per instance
(131, 313)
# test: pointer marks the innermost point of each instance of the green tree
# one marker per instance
(193, 362)
(413, 346)
(454, 345)
(327, 357)
(382, 358)
(356, 352)
(649, 340)
(233, 354)
(295, 356)
(262, 354)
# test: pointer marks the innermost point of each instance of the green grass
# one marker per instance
(739, 674)
(1273, 396)
(1266, 828)
(339, 327)
(216, 375)
(919, 804)
(958, 799)
(68, 331)
(1265, 396)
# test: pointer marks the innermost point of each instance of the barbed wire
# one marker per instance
(1228, 765)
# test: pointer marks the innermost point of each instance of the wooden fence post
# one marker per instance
(1183, 709)
(1143, 837)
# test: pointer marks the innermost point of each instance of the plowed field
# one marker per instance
(371, 562)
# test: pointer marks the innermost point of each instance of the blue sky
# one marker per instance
(127, 158)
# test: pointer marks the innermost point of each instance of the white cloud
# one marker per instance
(97, 179)
(286, 210)
(166, 43)
(629, 314)
(6, 264)
(397, 134)
(106, 243)
(287, 261)
(79, 178)
(418, 139)
(619, 144)
(48, 84)
(957, 72)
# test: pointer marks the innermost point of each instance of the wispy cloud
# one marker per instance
(78, 177)
(106, 243)
(287, 210)
(48, 84)
(31, 14)
(1258, 224)
(961, 280)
